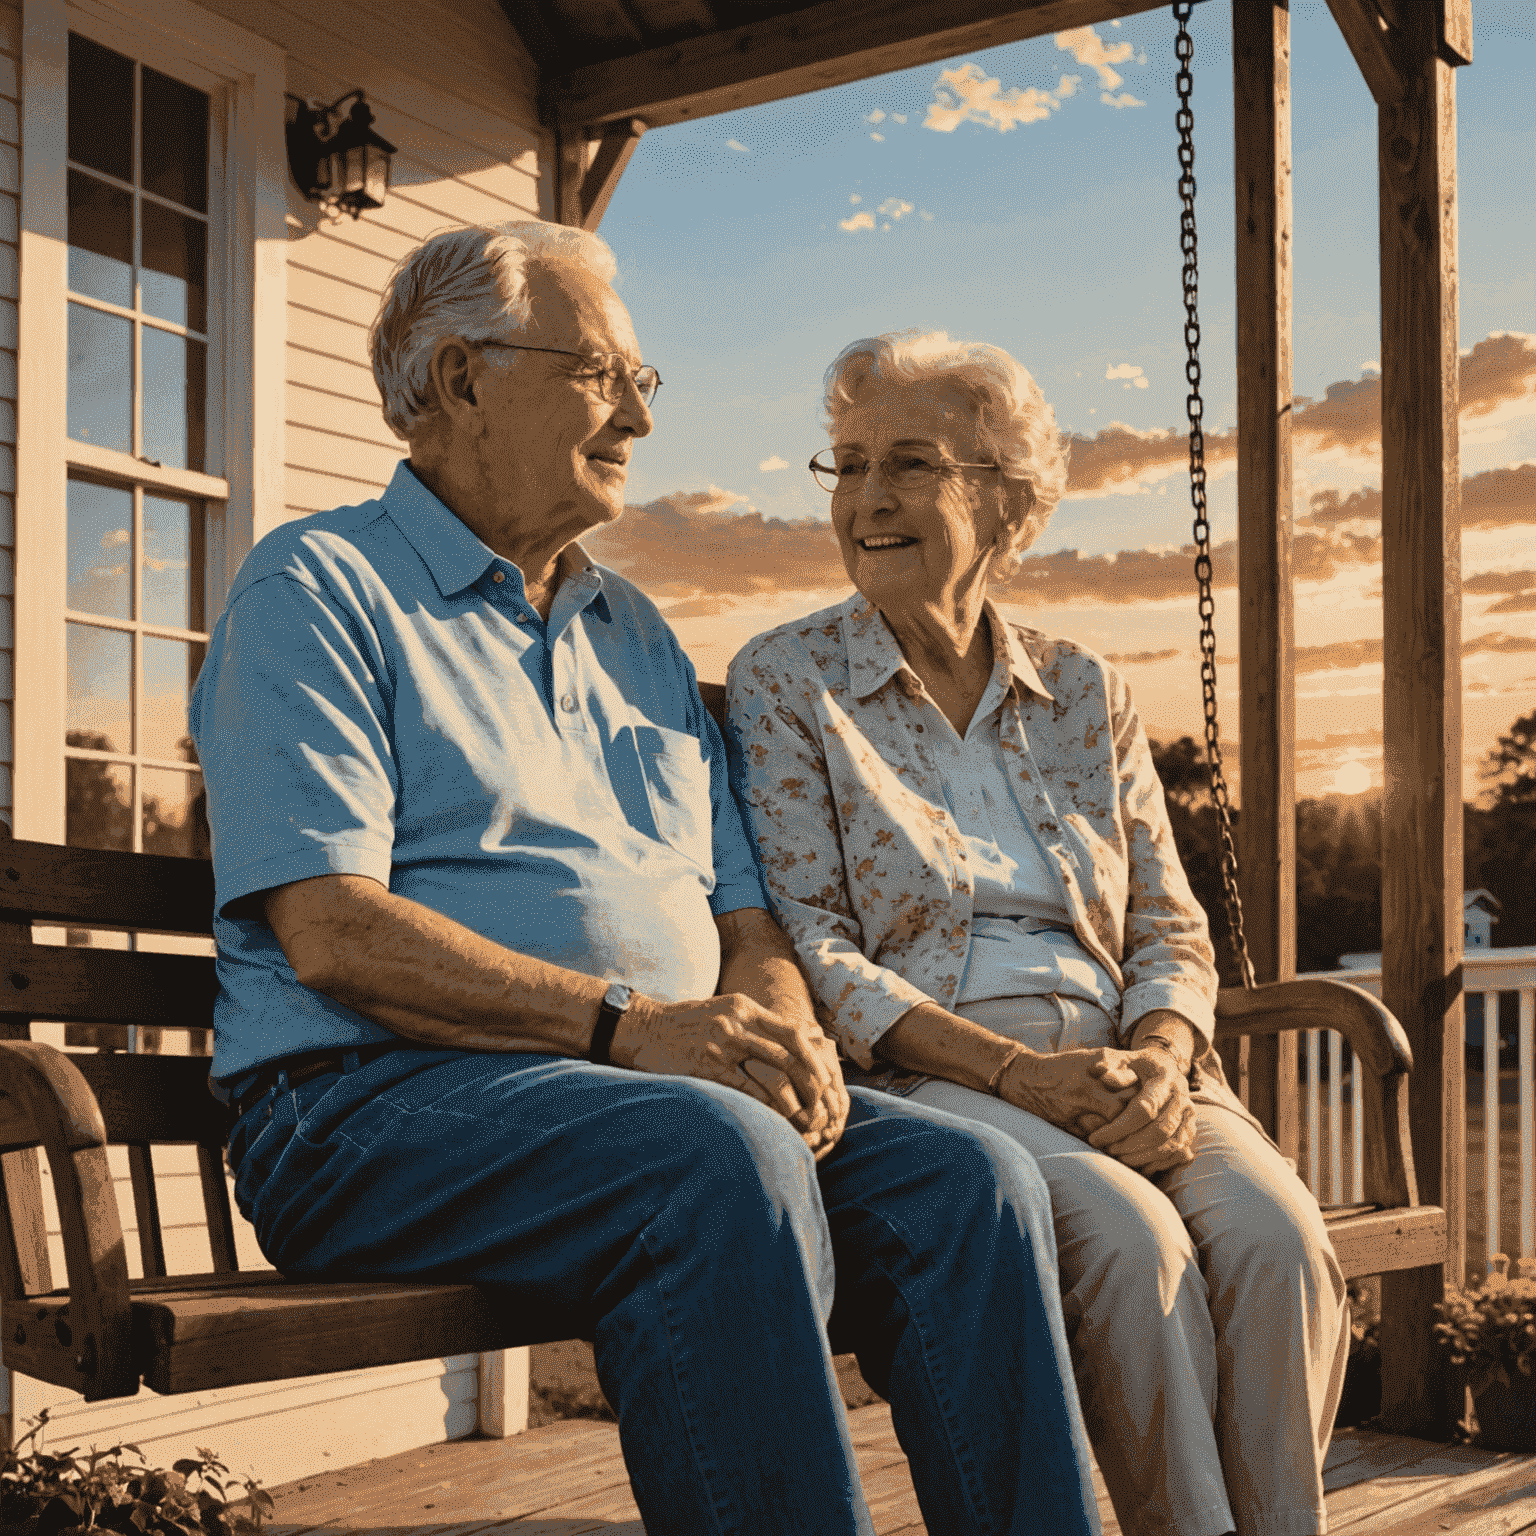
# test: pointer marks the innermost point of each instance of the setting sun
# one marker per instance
(1352, 778)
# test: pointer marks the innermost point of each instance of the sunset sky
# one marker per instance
(1027, 196)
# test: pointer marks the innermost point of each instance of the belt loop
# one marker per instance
(1071, 1017)
(350, 1061)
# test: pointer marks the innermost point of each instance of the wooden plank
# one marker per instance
(107, 986)
(1421, 696)
(45, 883)
(191, 1341)
(1386, 1241)
(221, 1228)
(1261, 87)
(25, 1269)
(1460, 1489)
(146, 1209)
(155, 1098)
(1378, 49)
(804, 50)
(614, 152)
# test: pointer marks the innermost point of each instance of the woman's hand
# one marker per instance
(1155, 1130)
(1075, 1090)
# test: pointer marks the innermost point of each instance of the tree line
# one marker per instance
(1338, 852)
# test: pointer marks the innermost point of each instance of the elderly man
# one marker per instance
(500, 999)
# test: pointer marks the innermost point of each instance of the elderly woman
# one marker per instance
(962, 831)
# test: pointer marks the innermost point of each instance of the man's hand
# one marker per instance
(786, 1063)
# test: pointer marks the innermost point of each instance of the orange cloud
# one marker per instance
(1140, 658)
(703, 546)
(1337, 655)
(1499, 369)
(1497, 498)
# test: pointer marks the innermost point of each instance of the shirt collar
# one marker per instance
(874, 657)
(455, 554)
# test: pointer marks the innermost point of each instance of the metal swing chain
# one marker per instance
(1189, 244)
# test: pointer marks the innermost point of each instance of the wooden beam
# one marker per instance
(1376, 45)
(1261, 90)
(588, 171)
(1421, 698)
(804, 50)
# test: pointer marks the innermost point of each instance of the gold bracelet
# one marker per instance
(1007, 1062)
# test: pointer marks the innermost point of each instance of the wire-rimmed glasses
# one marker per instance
(905, 468)
(609, 368)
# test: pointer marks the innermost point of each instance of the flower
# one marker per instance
(1490, 1329)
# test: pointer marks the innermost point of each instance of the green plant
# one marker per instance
(67, 1494)
(1490, 1329)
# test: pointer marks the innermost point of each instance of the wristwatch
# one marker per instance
(616, 1001)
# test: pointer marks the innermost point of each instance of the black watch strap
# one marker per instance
(615, 1004)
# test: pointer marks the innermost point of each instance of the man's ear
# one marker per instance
(452, 371)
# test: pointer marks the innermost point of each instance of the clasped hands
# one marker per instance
(1133, 1104)
(782, 1060)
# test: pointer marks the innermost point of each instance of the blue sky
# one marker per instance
(1057, 239)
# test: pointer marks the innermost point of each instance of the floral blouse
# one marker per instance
(866, 867)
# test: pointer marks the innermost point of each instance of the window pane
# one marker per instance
(175, 152)
(175, 555)
(170, 669)
(100, 406)
(100, 240)
(98, 804)
(100, 108)
(175, 381)
(175, 813)
(100, 553)
(173, 282)
(99, 664)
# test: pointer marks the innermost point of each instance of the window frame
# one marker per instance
(245, 76)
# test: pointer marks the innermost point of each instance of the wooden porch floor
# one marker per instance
(568, 1479)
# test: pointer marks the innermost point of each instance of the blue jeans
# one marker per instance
(686, 1230)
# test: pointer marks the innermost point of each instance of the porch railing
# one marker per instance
(1501, 1159)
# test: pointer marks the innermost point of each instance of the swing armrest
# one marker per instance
(1374, 1035)
(1380, 1046)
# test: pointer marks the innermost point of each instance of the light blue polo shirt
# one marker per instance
(380, 699)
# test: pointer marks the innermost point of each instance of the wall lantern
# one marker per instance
(339, 164)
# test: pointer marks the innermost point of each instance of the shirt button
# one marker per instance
(522, 618)
(568, 703)
(498, 577)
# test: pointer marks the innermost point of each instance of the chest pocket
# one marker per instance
(677, 786)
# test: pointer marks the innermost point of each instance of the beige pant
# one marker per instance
(1206, 1311)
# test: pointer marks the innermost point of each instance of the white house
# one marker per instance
(182, 367)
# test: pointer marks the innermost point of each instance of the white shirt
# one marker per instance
(1022, 943)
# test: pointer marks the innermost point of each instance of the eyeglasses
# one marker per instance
(902, 467)
(611, 370)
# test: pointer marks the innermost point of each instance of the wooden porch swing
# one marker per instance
(654, 62)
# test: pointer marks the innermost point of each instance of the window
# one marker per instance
(149, 456)
(140, 551)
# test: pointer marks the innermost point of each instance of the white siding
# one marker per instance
(452, 87)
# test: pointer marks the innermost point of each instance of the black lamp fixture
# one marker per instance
(338, 161)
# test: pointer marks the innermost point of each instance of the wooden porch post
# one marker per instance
(1261, 89)
(1421, 581)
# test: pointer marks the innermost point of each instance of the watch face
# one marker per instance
(617, 995)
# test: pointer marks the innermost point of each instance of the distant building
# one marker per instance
(1479, 912)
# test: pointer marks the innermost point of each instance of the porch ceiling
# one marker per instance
(664, 61)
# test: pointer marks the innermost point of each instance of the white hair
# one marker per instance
(470, 282)
(1015, 424)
